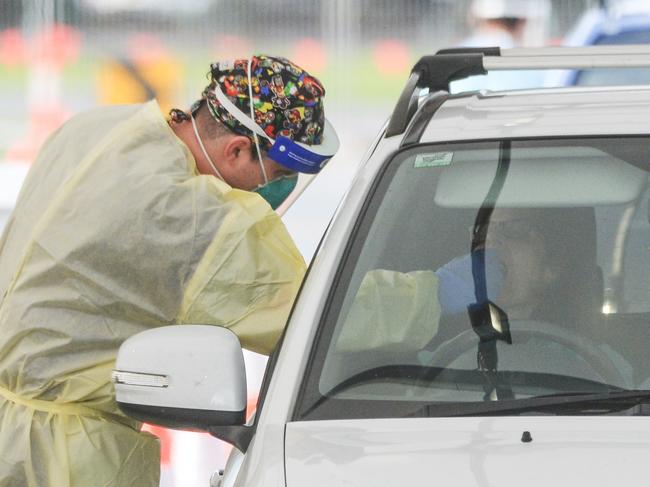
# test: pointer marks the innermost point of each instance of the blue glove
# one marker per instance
(456, 286)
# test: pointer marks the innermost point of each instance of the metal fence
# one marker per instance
(369, 42)
(348, 23)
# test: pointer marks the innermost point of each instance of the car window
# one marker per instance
(547, 237)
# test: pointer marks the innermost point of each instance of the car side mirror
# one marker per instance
(182, 376)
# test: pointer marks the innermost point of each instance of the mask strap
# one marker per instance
(250, 100)
(205, 153)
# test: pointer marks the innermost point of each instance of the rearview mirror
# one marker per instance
(184, 376)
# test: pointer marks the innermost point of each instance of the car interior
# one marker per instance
(599, 312)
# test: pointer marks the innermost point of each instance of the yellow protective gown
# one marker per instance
(392, 310)
(115, 232)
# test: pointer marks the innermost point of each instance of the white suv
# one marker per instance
(478, 312)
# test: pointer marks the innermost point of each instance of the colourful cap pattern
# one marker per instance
(287, 100)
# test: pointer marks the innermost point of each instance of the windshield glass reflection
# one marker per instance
(541, 243)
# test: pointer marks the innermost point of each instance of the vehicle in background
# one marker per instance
(478, 312)
(622, 22)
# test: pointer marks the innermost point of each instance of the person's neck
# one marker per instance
(185, 133)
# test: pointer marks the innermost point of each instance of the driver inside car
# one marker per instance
(523, 265)
(540, 268)
(527, 266)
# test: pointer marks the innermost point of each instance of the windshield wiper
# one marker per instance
(467, 380)
(568, 404)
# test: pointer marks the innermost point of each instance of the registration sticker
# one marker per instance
(434, 159)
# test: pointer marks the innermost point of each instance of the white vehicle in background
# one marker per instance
(478, 312)
(11, 179)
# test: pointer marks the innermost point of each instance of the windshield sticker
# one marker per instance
(435, 159)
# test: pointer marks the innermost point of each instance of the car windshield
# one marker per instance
(491, 272)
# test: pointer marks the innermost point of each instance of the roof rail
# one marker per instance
(422, 116)
(437, 71)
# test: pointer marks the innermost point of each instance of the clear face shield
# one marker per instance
(304, 159)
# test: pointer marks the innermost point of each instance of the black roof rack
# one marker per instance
(437, 71)
(422, 116)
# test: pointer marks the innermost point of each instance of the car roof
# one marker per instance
(547, 112)
(541, 113)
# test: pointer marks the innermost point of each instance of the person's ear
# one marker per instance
(237, 151)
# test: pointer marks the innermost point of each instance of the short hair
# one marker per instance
(215, 129)
(212, 127)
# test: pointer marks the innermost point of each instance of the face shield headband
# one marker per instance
(294, 155)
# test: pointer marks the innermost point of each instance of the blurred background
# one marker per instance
(59, 57)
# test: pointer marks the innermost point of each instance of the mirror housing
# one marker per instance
(182, 376)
